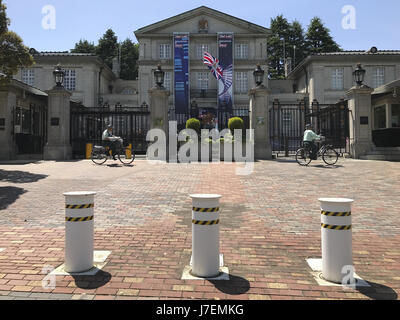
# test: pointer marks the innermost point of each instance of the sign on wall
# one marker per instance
(181, 72)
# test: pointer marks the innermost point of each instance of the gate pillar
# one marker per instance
(259, 121)
(159, 112)
(58, 146)
(360, 120)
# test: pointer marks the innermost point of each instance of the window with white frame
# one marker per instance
(202, 80)
(242, 82)
(70, 80)
(168, 80)
(378, 77)
(337, 79)
(28, 76)
(242, 51)
(201, 48)
(165, 51)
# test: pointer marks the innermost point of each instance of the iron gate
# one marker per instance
(332, 122)
(30, 128)
(287, 124)
(88, 124)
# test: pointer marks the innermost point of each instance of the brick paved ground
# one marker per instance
(270, 224)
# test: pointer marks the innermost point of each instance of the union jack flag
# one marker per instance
(213, 64)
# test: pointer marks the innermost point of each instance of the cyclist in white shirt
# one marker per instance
(308, 140)
(107, 138)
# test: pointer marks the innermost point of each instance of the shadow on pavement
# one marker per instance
(378, 292)
(9, 195)
(100, 279)
(235, 285)
(325, 166)
(20, 176)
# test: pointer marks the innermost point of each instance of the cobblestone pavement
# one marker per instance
(270, 225)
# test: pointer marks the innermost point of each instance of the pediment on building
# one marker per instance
(202, 20)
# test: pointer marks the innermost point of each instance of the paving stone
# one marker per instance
(270, 225)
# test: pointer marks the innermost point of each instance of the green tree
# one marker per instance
(297, 48)
(84, 46)
(277, 41)
(319, 39)
(13, 53)
(129, 57)
(107, 48)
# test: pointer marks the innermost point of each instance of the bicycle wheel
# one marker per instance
(123, 158)
(98, 157)
(330, 156)
(303, 157)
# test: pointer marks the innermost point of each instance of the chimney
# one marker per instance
(288, 66)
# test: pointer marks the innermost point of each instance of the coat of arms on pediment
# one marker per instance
(203, 25)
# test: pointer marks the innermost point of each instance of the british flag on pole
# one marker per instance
(213, 64)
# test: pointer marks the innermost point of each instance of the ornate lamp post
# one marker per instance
(359, 75)
(258, 75)
(59, 76)
(159, 76)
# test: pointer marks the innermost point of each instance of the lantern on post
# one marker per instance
(359, 75)
(59, 75)
(159, 76)
(258, 75)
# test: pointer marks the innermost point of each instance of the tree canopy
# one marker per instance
(289, 40)
(13, 53)
(108, 48)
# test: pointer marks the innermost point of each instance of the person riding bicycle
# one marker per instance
(110, 140)
(308, 141)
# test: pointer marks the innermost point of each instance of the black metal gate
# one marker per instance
(331, 121)
(30, 128)
(88, 125)
(287, 124)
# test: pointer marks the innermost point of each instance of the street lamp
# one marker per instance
(159, 76)
(59, 76)
(258, 74)
(359, 74)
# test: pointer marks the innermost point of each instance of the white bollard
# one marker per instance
(205, 235)
(79, 215)
(336, 237)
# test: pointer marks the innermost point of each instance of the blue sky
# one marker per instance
(377, 22)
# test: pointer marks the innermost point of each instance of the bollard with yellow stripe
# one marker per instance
(89, 148)
(336, 237)
(79, 224)
(128, 152)
(205, 235)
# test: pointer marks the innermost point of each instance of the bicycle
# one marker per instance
(328, 153)
(100, 154)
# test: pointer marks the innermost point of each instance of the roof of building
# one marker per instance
(62, 53)
(387, 88)
(345, 53)
(201, 10)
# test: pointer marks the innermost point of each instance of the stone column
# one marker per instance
(360, 107)
(259, 121)
(58, 146)
(8, 100)
(159, 112)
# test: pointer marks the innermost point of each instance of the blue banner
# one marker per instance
(225, 56)
(181, 72)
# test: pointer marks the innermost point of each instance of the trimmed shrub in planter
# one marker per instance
(235, 123)
(194, 124)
